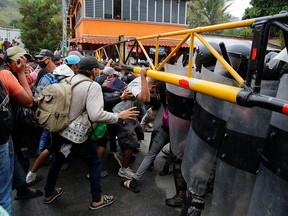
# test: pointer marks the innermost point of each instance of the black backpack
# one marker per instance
(6, 118)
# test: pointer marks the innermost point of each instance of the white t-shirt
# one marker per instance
(135, 86)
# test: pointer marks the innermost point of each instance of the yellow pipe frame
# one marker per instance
(221, 91)
(191, 54)
(174, 51)
(156, 53)
(191, 33)
(147, 56)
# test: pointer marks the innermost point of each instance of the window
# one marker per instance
(159, 11)
(151, 10)
(126, 9)
(134, 10)
(117, 9)
(174, 11)
(108, 9)
(182, 12)
(167, 11)
(143, 10)
(98, 8)
(89, 8)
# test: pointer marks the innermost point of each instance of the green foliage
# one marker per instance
(238, 32)
(41, 25)
(208, 12)
(264, 8)
(9, 16)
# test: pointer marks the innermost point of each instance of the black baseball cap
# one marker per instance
(45, 52)
(90, 62)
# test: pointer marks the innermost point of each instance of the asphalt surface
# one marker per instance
(76, 197)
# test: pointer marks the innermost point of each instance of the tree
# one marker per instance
(265, 7)
(41, 25)
(208, 12)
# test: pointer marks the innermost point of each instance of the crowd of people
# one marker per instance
(110, 106)
(5, 44)
(104, 97)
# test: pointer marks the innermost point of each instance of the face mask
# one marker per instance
(42, 64)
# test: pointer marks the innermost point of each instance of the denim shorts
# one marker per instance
(129, 141)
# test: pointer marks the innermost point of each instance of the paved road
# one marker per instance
(76, 197)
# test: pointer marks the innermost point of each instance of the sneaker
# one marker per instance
(31, 177)
(175, 201)
(37, 179)
(126, 173)
(119, 158)
(58, 192)
(28, 194)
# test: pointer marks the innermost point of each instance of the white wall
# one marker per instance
(11, 34)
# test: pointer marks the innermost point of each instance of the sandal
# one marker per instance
(131, 185)
(37, 179)
(58, 192)
(107, 200)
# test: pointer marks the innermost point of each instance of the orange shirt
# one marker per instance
(10, 83)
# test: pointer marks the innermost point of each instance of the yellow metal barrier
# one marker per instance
(243, 96)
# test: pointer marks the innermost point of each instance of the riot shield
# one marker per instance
(206, 131)
(180, 107)
(239, 156)
(270, 193)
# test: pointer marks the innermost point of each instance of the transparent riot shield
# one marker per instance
(239, 154)
(270, 195)
(180, 106)
(206, 131)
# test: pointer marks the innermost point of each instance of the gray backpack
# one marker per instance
(54, 105)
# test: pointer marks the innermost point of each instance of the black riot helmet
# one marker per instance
(239, 58)
(271, 73)
(205, 57)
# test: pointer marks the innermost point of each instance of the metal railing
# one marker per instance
(243, 95)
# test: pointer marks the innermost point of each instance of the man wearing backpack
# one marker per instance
(86, 107)
(59, 73)
(19, 92)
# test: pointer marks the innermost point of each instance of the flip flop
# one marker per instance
(107, 200)
(131, 185)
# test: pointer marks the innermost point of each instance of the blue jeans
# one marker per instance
(87, 152)
(19, 177)
(6, 175)
(44, 142)
(159, 141)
